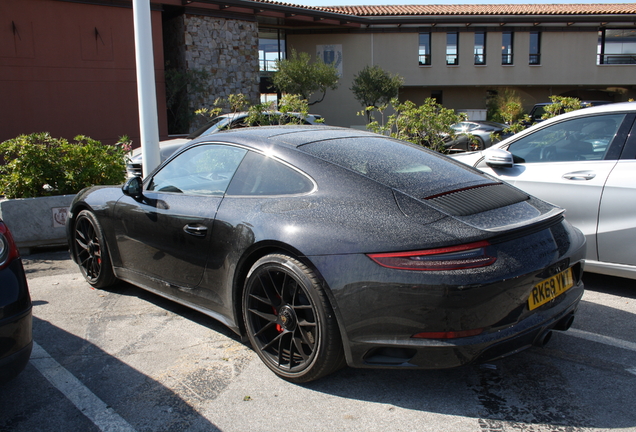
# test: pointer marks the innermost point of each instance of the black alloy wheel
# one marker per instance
(91, 252)
(289, 320)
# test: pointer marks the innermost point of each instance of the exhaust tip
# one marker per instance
(565, 323)
(543, 339)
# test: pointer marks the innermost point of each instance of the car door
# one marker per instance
(165, 235)
(616, 236)
(568, 164)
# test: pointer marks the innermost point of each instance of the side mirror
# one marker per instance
(133, 188)
(498, 158)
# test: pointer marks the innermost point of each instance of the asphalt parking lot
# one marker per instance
(127, 360)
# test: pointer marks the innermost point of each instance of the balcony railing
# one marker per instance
(616, 59)
(480, 59)
(267, 65)
(506, 59)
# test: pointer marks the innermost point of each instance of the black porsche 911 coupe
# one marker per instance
(327, 247)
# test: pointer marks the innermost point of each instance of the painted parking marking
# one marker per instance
(607, 340)
(105, 418)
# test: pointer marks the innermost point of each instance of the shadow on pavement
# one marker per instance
(30, 403)
(610, 285)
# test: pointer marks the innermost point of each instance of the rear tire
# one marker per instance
(91, 252)
(477, 144)
(289, 320)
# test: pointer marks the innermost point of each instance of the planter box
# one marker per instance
(37, 222)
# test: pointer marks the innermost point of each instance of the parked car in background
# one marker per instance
(475, 135)
(16, 340)
(584, 161)
(220, 123)
(538, 110)
(329, 246)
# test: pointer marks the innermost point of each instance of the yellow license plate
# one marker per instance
(550, 288)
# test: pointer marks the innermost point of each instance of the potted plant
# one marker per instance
(41, 174)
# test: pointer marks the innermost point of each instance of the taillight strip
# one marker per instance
(471, 255)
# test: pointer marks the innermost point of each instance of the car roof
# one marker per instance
(289, 135)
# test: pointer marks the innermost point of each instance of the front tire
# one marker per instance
(289, 320)
(91, 252)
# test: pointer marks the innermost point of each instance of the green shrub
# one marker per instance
(39, 165)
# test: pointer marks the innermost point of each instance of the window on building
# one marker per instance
(271, 47)
(480, 48)
(616, 46)
(452, 47)
(425, 49)
(535, 48)
(507, 41)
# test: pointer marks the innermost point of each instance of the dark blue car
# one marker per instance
(15, 309)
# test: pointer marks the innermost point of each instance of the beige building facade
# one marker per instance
(468, 58)
(76, 74)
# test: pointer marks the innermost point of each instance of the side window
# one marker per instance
(201, 170)
(262, 175)
(586, 138)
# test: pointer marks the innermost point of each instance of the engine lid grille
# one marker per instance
(477, 199)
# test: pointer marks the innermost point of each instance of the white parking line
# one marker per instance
(105, 418)
(607, 340)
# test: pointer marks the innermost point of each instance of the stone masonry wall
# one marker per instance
(228, 50)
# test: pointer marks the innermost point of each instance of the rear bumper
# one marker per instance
(16, 343)
(442, 354)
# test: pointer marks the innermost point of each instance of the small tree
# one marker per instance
(561, 105)
(298, 76)
(505, 107)
(291, 109)
(428, 125)
(374, 87)
(234, 103)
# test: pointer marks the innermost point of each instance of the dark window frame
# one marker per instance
(480, 57)
(452, 41)
(425, 59)
(507, 48)
(535, 48)
(624, 57)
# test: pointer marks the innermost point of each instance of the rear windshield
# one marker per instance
(411, 169)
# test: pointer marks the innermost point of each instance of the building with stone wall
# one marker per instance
(75, 74)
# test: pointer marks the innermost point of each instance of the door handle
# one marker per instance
(196, 230)
(579, 175)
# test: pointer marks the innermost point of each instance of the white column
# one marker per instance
(146, 87)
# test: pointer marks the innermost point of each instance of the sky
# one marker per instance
(441, 2)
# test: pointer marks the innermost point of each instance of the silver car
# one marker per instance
(217, 124)
(475, 135)
(585, 162)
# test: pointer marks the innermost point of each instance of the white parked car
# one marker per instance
(585, 162)
(217, 124)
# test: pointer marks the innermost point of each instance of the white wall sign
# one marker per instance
(330, 54)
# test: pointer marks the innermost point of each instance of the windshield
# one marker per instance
(218, 122)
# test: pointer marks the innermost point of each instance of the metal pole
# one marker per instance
(146, 87)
